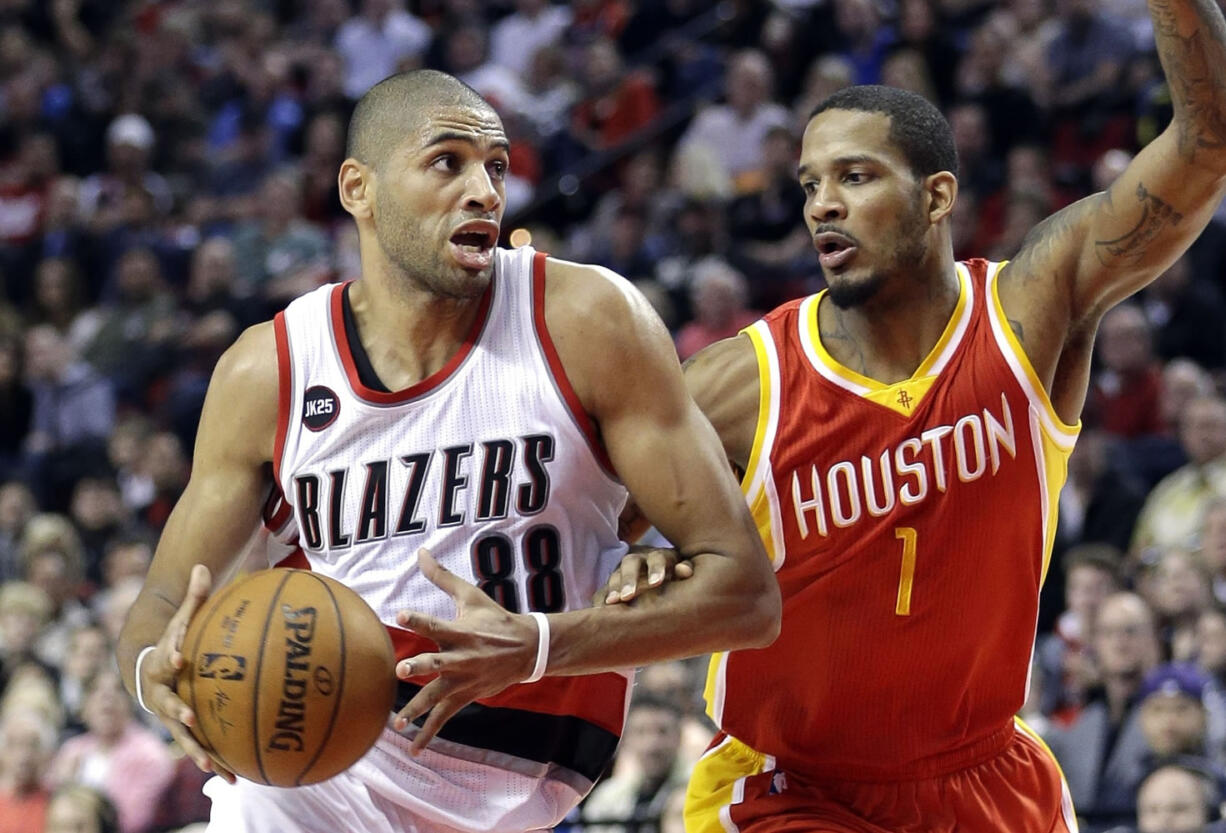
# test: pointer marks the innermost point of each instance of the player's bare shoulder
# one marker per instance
(723, 379)
(242, 403)
(606, 333)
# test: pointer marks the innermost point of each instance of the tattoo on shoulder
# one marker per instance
(1131, 247)
(1018, 330)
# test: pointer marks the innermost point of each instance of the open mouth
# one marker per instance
(472, 244)
(834, 250)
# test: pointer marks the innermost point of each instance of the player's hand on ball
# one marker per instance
(161, 668)
(483, 651)
(642, 569)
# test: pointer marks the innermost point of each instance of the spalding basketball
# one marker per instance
(290, 675)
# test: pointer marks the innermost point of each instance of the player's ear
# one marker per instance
(356, 184)
(941, 189)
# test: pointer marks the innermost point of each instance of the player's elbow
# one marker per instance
(766, 616)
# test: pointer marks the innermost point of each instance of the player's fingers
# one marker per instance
(683, 570)
(421, 665)
(660, 564)
(199, 583)
(631, 570)
(423, 624)
(177, 717)
(421, 703)
(440, 714)
(441, 577)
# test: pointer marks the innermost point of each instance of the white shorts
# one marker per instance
(390, 792)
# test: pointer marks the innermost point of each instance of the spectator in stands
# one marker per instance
(378, 42)
(644, 775)
(1126, 390)
(1174, 712)
(735, 132)
(1211, 545)
(76, 808)
(60, 301)
(98, 515)
(279, 254)
(53, 559)
(1178, 591)
(1187, 316)
(72, 404)
(826, 76)
(25, 610)
(116, 755)
(26, 744)
(89, 651)
(1182, 381)
(719, 296)
(615, 103)
(1179, 797)
(866, 37)
(1092, 574)
(1176, 505)
(17, 506)
(516, 39)
(762, 222)
(1101, 498)
(129, 150)
(1102, 752)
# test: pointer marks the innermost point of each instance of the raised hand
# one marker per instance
(481, 652)
(161, 668)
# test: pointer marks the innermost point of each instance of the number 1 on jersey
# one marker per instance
(907, 535)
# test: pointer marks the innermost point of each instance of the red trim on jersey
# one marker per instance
(296, 560)
(284, 387)
(598, 699)
(412, 391)
(276, 510)
(555, 366)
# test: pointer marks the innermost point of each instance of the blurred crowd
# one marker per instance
(167, 178)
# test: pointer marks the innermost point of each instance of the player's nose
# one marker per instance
(480, 190)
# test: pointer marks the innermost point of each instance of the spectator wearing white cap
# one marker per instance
(129, 148)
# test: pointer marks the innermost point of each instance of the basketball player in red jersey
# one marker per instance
(497, 405)
(903, 437)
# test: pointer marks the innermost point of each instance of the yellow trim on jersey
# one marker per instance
(1066, 433)
(1070, 815)
(712, 691)
(717, 783)
(922, 373)
(764, 407)
(1053, 459)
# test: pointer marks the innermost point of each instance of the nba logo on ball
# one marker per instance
(320, 407)
(222, 666)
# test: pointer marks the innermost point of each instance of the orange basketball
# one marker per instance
(290, 675)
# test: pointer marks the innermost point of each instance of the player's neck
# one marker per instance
(888, 337)
(409, 334)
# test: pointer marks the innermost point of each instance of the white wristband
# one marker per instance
(140, 699)
(542, 646)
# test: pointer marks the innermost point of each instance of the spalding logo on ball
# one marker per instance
(290, 675)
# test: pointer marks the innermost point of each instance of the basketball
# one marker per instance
(290, 675)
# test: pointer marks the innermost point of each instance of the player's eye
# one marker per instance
(446, 162)
(498, 169)
(856, 177)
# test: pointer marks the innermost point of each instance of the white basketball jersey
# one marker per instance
(492, 465)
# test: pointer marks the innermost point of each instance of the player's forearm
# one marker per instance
(144, 626)
(723, 607)
(1191, 39)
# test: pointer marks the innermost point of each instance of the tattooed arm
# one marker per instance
(1076, 264)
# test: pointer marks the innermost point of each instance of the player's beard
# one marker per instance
(910, 251)
(421, 261)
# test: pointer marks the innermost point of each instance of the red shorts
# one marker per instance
(735, 789)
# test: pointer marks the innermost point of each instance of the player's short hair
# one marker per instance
(383, 114)
(916, 125)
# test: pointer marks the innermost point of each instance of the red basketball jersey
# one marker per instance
(910, 526)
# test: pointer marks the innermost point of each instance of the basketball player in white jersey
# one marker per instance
(493, 408)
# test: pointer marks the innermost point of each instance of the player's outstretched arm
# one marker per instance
(206, 531)
(1078, 263)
